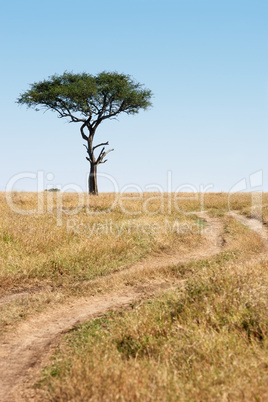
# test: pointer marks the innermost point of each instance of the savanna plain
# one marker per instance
(151, 297)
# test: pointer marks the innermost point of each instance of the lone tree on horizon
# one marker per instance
(88, 100)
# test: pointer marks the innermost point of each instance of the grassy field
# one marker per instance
(203, 340)
(63, 248)
(57, 252)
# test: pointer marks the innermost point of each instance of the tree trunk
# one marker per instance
(92, 180)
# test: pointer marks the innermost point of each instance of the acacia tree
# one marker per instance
(88, 100)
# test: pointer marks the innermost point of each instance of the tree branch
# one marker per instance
(111, 113)
(99, 145)
(102, 156)
(84, 136)
(63, 114)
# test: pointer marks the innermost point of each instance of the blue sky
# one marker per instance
(205, 61)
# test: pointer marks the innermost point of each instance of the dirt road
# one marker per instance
(24, 352)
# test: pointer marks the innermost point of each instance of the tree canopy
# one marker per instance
(84, 97)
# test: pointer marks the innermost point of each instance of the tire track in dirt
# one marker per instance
(20, 295)
(252, 223)
(23, 352)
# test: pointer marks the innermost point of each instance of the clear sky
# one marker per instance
(206, 62)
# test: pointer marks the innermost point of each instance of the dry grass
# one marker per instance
(252, 205)
(58, 250)
(96, 241)
(204, 341)
(207, 340)
(55, 254)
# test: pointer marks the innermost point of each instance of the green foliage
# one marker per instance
(88, 100)
(83, 96)
(6, 237)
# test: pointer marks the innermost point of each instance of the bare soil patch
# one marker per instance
(254, 224)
